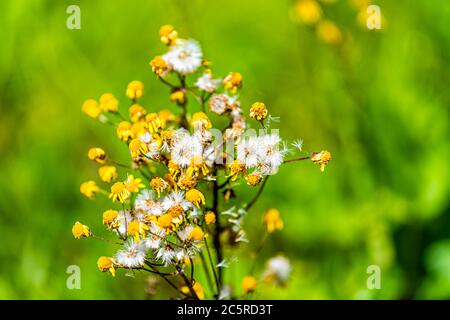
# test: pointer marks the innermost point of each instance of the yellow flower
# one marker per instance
(80, 230)
(91, 108)
(165, 221)
(168, 34)
(137, 148)
(201, 121)
(233, 81)
(135, 89)
(272, 220)
(154, 123)
(109, 103)
(248, 284)
(174, 169)
(106, 264)
(197, 166)
(258, 111)
(186, 182)
(136, 229)
(97, 155)
(159, 66)
(178, 96)
(196, 197)
(166, 115)
(197, 289)
(137, 112)
(107, 173)
(89, 188)
(253, 179)
(124, 131)
(322, 158)
(158, 185)
(139, 128)
(197, 234)
(236, 168)
(210, 217)
(308, 11)
(119, 192)
(110, 218)
(133, 184)
(329, 32)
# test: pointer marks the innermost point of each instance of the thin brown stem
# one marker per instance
(255, 198)
(297, 159)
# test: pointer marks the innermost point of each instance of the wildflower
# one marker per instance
(272, 220)
(91, 108)
(308, 11)
(159, 66)
(247, 151)
(184, 57)
(322, 158)
(137, 148)
(218, 103)
(119, 192)
(210, 217)
(187, 182)
(89, 188)
(106, 264)
(80, 230)
(107, 173)
(110, 218)
(109, 103)
(176, 198)
(168, 34)
(166, 115)
(178, 96)
(139, 129)
(278, 270)
(258, 111)
(329, 32)
(201, 121)
(137, 229)
(248, 284)
(133, 184)
(207, 83)
(158, 185)
(165, 221)
(136, 112)
(184, 149)
(166, 254)
(197, 166)
(97, 155)
(270, 157)
(135, 89)
(235, 168)
(146, 202)
(253, 179)
(197, 289)
(154, 123)
(132, 256)
(233, 81)
(196, 197)
(124, 132)
(197, 234)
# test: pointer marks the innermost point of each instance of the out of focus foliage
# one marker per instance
(378, 100)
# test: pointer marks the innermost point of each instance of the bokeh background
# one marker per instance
(378, 100)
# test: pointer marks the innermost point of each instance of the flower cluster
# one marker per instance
(169, 208)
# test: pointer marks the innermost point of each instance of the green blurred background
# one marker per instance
(378, 101)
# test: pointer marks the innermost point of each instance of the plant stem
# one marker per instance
(297, 159)
(255, 198)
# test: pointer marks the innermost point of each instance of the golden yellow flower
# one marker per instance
(154, 123)
(166, 115)
(253, 179)
(165, 221)
(133, 184)
(174, 169)
(107, 173)
(80, 230)
(158, 185)
(124, 132)
(322, 158)
(178, 96)
(235, 168)
(110, 218)
(137, 229)
(200, 121)
(210, 217)
(89, 188)
(258, 111)
(97, 155)
(197, 166)
(91, 108)
(272, 220)
(197, 289)
(119, 192)
(168, 34)
(186, 182)
(106, 264)
(248, 284)
(137, 148)
(135, 89)
(139, 128)
(137, 112)
(233, 81)
(308, 11)
(159, 66)
(196, 197)
(109, 103)
(329, 32)
(197, 234)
